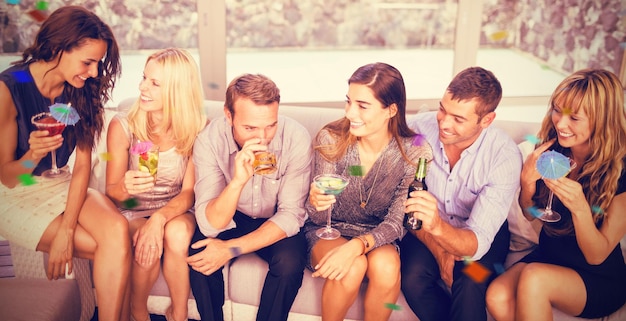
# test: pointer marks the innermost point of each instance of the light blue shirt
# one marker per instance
(279, 196)
(478, 192)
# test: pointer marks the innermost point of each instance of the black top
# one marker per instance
(29, 102)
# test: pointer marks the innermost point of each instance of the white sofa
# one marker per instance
(244, 276)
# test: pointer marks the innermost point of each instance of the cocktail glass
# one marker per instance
(548, 214)
(330, 184)
(45, 121)
(149, 160)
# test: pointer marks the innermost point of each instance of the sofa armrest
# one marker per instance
(29, 264)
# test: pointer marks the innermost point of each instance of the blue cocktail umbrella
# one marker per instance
(553, 165)
(64, 113)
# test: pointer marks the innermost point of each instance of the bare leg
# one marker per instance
(101, 235)
(383, 272)
(178, 233)
(543, 286)
(501, 294)
(142, 280)
(338, 295)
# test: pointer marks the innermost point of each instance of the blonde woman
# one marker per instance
(578, 265)
(167, 114)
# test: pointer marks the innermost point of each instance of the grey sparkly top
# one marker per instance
(382, 216)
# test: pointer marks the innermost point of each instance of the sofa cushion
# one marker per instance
(247, 275)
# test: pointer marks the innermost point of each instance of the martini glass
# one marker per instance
(548, 214)
(330, 184)
(45, 121)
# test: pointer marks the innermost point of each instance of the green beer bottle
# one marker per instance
(418, 184)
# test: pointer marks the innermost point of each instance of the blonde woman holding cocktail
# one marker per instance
(154, 186)
(74, 59)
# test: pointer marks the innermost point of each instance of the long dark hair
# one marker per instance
(387, 84)
(66, 29)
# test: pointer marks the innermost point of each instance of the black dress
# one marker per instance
(605, 282)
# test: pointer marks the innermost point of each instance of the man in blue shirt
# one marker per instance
(472, 182)
(241, 212)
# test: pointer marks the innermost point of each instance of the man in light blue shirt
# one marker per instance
(471, 181)
(240, 212)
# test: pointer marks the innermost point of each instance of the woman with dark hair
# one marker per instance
(578, 266)
(374, 148)
(74, 59)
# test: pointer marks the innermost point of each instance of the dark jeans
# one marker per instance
(286, 259)
(422, 286)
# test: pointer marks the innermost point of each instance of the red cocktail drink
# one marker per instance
(51, 125)
(45, 121)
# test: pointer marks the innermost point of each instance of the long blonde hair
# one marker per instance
(183, 113)
(601, 95)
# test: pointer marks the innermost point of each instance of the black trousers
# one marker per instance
(422, 286)
(286, 259)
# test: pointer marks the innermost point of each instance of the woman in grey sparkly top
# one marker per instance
(374, 148)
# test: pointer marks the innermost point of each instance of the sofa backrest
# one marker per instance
(314, 118)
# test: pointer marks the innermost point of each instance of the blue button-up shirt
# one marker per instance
(478, 191)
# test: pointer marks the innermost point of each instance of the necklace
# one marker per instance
(364, 202)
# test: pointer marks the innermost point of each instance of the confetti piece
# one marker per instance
(499, 268)
(532, 139)
(623, 45)
(41, 5)
(105, 157)
(22, 76)
(235, 251)
(567, 111)
(28, 164)
(13, 1)
(499, 35)
(356, 170)
(419, 140)
(37, 15)
(534, 211)
(545, 67)
(27, 179)
(393, 306)
(130, 203)
(477, 272)
(467, 260)
(597, 210)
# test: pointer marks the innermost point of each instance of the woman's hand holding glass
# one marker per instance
(137, 182)
(570, 193)
(319, 200)
(530, 175)
(41, 144)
